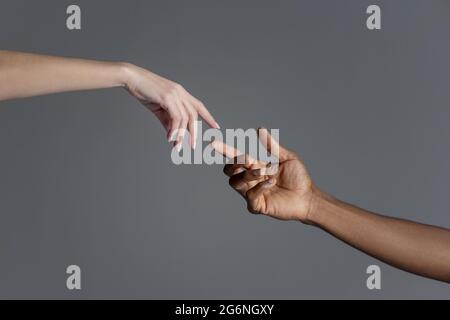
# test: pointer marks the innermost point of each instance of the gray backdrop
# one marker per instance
(86, 178)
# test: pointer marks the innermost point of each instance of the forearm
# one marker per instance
(413, 247)
(25, 75)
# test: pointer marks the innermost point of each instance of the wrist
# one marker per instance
(125, 73)
(318, 201)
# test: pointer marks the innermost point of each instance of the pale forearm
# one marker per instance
(411, 246)
(26, 75)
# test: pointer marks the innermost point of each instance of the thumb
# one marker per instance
(271, 144)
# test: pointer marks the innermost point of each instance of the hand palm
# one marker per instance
(289, 197)
(284, 193)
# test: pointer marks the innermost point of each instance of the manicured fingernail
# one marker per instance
(217, 126)
(173, 136)
(179, 147)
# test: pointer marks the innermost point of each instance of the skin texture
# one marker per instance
(26, 75)
(289, 194)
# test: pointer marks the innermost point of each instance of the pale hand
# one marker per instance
(176, 108)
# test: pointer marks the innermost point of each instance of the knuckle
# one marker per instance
(168, 100)
(183, 113)
(200, 104)
(251, 208)
(170, 93)
(291, 153)
(177, 87)
(193, 115)
(176, 117)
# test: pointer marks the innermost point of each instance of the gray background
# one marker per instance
(86, 178)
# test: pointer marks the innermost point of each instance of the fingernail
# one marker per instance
(172, 136)
(179, 147)
(217, 126)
